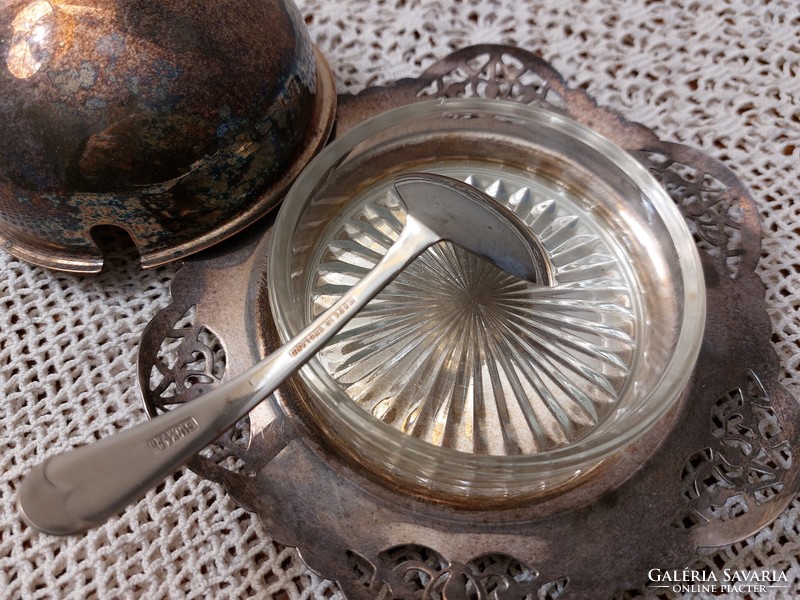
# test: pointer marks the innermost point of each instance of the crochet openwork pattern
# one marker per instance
(723, 77)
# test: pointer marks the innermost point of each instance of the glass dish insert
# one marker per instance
(460, 354)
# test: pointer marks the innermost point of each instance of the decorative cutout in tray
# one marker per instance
(722, 466)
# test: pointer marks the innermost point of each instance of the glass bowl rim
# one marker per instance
(572, 458)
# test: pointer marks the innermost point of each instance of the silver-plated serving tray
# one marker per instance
(723, 464)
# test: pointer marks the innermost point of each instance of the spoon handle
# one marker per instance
(70, 492)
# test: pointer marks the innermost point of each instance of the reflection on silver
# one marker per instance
(31, 32)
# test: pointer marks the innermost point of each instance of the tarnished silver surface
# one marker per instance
(722, 466)
(180, 124)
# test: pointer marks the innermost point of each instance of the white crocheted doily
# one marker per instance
(722, 76)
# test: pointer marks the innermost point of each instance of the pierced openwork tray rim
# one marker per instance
(725, 470)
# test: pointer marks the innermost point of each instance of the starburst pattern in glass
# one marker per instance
(460, 354)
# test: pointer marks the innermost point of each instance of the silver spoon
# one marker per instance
(70, 492)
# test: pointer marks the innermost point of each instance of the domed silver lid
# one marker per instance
(180, 126)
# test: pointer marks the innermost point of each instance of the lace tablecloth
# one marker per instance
(720, 76)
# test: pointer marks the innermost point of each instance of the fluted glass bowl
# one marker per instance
(460, 380)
